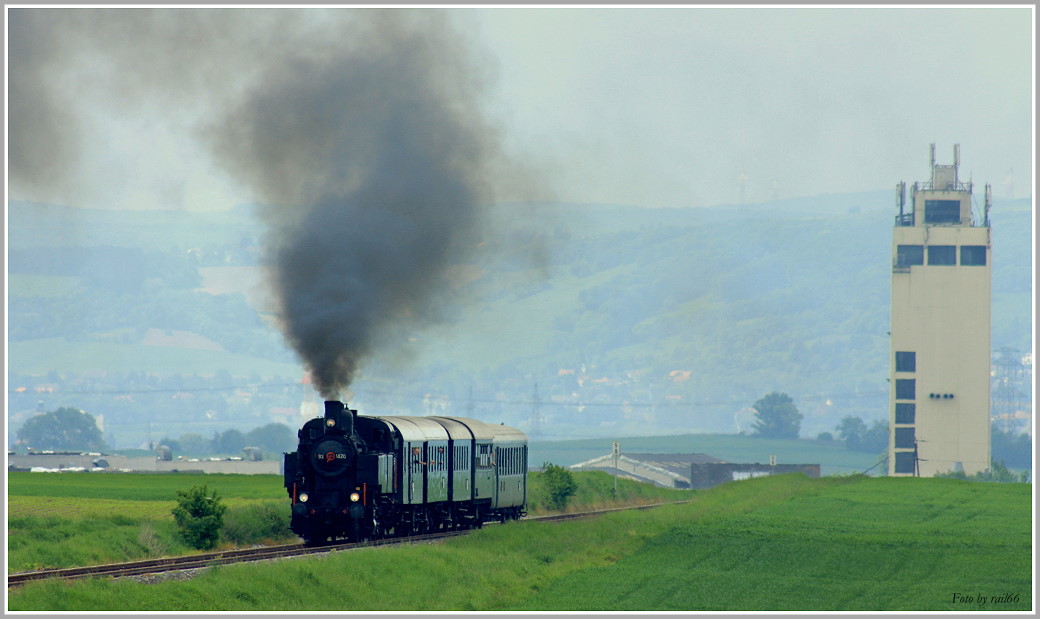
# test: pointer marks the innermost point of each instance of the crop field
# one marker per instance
(127, 494)
(775, 543)
(69, 519)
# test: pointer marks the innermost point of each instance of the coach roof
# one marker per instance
(417, 428)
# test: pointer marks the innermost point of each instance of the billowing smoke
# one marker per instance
(361, 130)
(377, 154)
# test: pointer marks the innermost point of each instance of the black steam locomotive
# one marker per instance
(357, 477)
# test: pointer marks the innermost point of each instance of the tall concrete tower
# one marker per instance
(940, 356)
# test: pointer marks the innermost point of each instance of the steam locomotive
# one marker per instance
(356, 477)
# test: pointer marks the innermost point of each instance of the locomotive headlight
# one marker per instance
(330, 422)
(354, 497)
(303, 497)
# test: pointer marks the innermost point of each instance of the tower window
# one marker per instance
(973, 255)
(904, 437)
(909, 255)
(942, 255)
(904, 462)
(942, 211)
(905, 412)
(906, 388)
(906, 361)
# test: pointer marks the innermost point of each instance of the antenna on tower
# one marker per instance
(932, 149)
(989, 204)
(956, 155)
(901, 197)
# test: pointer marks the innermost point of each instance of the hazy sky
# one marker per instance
(652, 107)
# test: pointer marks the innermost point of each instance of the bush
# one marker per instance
(998, 472)
(256, 523)
(199, 517)
(559, 486)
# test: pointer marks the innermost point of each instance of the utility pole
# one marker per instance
(616, 451)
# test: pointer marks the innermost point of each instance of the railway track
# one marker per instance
(210, 559)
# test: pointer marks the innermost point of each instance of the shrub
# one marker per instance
(998, 472)
(199, 516)
(255, 523)
(559, 486)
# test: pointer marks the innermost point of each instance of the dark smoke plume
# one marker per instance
(360, 129)
(378, 157)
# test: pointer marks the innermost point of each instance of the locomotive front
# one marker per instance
(321, 476)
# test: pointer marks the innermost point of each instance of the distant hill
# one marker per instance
(576, 320)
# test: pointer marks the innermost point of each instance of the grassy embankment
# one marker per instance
(70, 519)
(784, 542)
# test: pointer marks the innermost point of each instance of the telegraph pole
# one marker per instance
(616, 451)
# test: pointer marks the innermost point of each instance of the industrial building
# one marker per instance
(940, 330)
(696, 471)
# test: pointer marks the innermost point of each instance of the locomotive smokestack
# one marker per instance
(341, 416)
(334, 409)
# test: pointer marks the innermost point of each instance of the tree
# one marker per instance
(228, 442)
(64, 429)
(1016, 450)
(776, 417)
(559, 486)
(876, 437)
(858, 437)
(194, 443)
(273, 437)
(199, 516)
(851, 431)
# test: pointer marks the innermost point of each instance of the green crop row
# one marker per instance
(141, 486)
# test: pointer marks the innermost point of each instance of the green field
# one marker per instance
(776, 543)
(71, 519)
